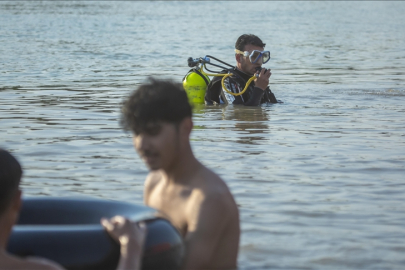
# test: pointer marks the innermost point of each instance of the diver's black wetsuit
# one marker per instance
(236, 83)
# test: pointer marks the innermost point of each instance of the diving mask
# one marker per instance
(255, 55)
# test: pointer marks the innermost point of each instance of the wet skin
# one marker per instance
(196, 201)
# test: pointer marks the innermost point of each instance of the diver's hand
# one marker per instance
(262, 81)
(129, 234)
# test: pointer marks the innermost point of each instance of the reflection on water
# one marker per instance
(251, 124)
(318, 179)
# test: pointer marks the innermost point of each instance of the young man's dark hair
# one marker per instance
(246, 39)
(153, 102)
(10, 177)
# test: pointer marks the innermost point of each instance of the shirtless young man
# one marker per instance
(196, 201)
(128, 234)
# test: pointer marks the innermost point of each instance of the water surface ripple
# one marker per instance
(319, 179)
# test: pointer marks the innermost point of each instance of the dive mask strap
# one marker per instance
(245, 53)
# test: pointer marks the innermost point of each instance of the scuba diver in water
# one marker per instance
(249, 55)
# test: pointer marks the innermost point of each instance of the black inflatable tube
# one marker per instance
(68, 231)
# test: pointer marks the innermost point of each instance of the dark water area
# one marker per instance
(319, 179)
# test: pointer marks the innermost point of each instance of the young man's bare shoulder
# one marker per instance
(211, 199)
(153, 178)
(211, 184)
(211, 190)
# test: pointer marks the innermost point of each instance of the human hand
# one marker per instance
(262, 80)
(126, 232)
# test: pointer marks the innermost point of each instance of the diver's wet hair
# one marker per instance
(246, 39)
(153, 102)
(10, 177)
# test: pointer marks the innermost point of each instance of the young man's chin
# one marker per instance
(153, 167)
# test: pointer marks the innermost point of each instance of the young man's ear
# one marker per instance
(237, 57)
(17, 202)
(186, 126)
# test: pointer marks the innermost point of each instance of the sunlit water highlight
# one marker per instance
(319, 179)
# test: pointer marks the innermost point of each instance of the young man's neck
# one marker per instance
(183, 168)
(4, 233)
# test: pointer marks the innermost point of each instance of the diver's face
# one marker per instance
(158, 145)
(244, 63)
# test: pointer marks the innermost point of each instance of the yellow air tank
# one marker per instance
(195, 85)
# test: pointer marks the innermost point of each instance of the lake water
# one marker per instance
(319, 179)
